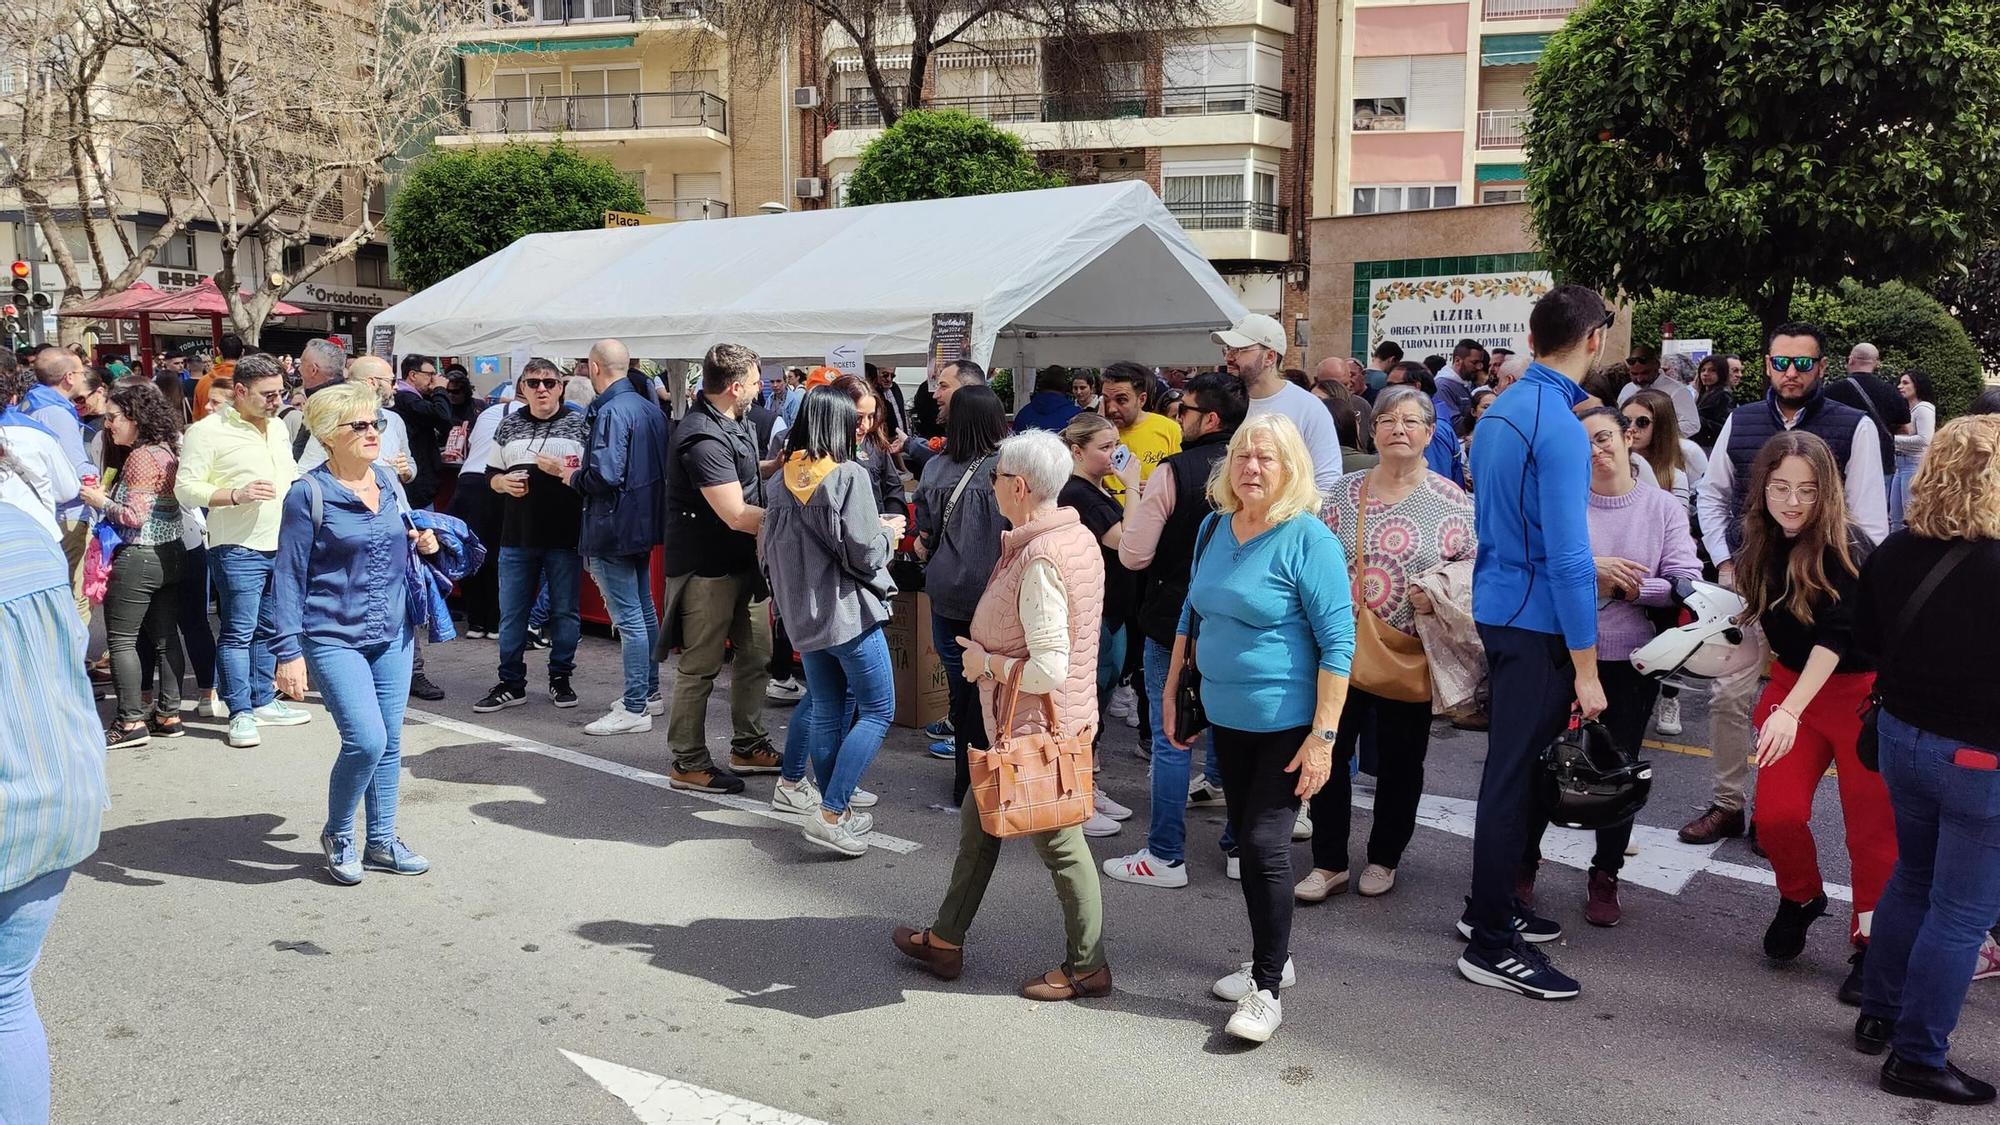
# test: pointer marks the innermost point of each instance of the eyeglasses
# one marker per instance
(1804, 363)
(541, 384)
(1783, 493)
(366, 426)
(1182, 409)
(1642, 422)
(427, 370)
(1610, 318)
(1602, 438)
(997, 474)
(1396, 425)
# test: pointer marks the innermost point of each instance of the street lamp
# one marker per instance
(773, 208)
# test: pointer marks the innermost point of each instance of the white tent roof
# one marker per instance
(1078, 276)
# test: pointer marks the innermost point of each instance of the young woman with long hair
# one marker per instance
(1093, 441)
(1799, 573)
(1916, 390)
(871, 448)
(1714, 398)
(1652, 428)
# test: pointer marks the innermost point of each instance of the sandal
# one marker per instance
(1064, 984)
(944, 964)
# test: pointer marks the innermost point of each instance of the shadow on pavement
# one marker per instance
(228, 849)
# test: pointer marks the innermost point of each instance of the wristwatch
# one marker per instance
(1328, 735)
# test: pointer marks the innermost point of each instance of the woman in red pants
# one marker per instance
(1799, 572)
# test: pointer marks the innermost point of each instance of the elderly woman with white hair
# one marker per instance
(344, 612)
(1038, 619)
(1268, 601)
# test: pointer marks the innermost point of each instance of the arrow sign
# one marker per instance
(847, 357)
(658, 1100)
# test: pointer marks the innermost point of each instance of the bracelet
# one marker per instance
(1788, 711)
(232, 498)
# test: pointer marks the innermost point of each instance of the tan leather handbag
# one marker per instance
(1387, 661)
(1032, 782)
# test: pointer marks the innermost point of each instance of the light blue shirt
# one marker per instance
(1275, 612)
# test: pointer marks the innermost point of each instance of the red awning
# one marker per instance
(114, 306)
(201, 300)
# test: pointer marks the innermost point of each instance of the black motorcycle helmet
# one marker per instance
(1585, 781)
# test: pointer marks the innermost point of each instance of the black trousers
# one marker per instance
(1402, 740)
(784, 662)
(1263, 802)
(1533, 688)
(1628, 703)
(475, 502)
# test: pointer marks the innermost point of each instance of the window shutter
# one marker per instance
(1437, 92)
(1382, 78)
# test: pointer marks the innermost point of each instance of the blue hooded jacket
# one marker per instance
(1048, 410)
(622, 479)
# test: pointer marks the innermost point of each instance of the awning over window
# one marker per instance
(1500, 174)
(543, 46)
(1511, 50)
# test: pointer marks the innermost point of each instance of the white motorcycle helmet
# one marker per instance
(1710, 647)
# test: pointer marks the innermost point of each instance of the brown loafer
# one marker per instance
(1713, 826)
(1063, 984)
(944, 964)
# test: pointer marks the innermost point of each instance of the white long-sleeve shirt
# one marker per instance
(1044, 610)
(1923, 424)
(1718, 500)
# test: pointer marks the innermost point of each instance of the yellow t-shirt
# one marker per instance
(1152, 439)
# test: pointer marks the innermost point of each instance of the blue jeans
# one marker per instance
(244, 662)
(798, 736)
(523, 572)
(539, 616)
(1110, 660)
(1899, 487)
(860, 668)
(366, 690)
(1943, 896)
(626, 581)
(25, 913)
(1166, 837)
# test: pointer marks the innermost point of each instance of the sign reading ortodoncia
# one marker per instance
(1429, 315)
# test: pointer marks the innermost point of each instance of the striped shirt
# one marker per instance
(52, 789)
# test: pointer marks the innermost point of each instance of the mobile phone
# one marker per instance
(1121, 457)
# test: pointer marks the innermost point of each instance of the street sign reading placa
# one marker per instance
(631, 219)
(847, 357)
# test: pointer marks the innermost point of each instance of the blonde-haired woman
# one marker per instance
(1268, 601)
(1940, 743)
(344, 613)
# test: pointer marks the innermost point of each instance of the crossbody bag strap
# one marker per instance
(1892, 644)
(951, 503)
(1360, 540)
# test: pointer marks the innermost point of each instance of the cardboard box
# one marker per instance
(922, 693)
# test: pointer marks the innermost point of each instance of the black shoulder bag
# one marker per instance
(1190, 717)
(1869, 746)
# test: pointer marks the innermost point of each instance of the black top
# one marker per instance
(1832, 626)
(1714, 406)
(1940, 678)
(428, 419)
(709, 448)
(1100, 513)
(1889, 412)
(550, 516)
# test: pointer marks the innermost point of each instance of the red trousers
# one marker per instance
(1827, 734)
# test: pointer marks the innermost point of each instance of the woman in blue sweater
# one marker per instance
(1268, 600)
(344, 613)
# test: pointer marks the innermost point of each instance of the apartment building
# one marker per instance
(646, 84)
(1215, 121)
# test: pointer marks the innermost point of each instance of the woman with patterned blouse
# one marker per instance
(143, 595)
(1417, 521)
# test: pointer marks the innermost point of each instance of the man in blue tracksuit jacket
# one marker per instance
(1534, 598)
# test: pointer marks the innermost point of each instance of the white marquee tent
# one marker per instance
(1079, 276)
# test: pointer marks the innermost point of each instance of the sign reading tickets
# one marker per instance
(613, 219)
(1429, 315)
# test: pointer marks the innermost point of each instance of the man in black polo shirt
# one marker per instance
(715, 593)
(1865, 390)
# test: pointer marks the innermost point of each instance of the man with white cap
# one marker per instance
(1254, 351)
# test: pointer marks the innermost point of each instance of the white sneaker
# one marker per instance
(1233, 866)
(213, 708)
(1238, 984)
(1143, 868)
(838, 837)
(1101, 825)
(1667, 717)
(620, 721)
(1257, 1016)
(655, 705)
(787, 690)
(1302, 824)
(795, 799)
(1124, 703)
(1111, 808)
(862, 799)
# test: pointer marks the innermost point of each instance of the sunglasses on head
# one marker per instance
(367, 425)
(1804, 363)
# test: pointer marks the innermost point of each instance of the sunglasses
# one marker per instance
(1804, 363)
(1642, 422)
(541, 384)
(997, 474)
(366, 426)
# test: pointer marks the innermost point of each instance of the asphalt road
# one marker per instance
(592, 948)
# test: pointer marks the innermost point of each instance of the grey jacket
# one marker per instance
(827, 556)
(962, 555)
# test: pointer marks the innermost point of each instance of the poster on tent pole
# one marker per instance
(382, 341)
(951, 341)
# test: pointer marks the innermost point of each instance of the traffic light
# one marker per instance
(21, 272)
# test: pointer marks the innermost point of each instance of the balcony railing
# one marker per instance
(1230, 214)
(558, 13)
(576, 113)
(1502, 128)
(1530, 9)
(1174, 101)
(685, 210)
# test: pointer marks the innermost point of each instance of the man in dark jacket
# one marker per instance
(1052, 406)
(715, 593)
(1868, 392)
(620, 480)
(426, 413)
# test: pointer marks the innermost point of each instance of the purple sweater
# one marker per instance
(1648, 526)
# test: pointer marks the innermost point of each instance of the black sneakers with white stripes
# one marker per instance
(1528, 925)
(1519, 968)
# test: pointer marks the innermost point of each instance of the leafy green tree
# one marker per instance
(1746, 149)
(1972, 293)
(943, 154)
(457, 205)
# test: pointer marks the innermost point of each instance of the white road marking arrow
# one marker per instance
(658, 1100)
(1663, 862)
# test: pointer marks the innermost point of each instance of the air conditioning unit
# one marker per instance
(805, 97)
(809, 187)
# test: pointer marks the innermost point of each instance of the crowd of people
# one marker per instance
(1274, 577)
